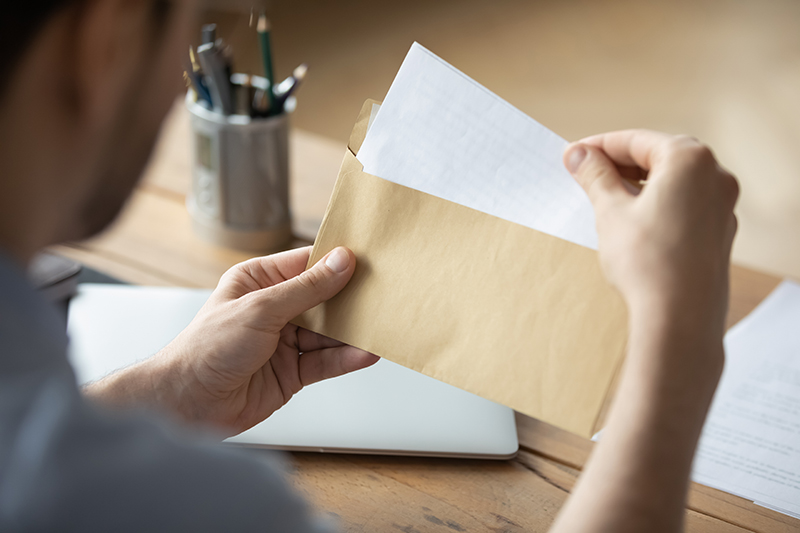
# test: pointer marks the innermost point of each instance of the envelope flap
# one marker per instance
(359, 131)
(349, 164)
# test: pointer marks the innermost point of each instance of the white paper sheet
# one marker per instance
(440, 132)
(750, 444)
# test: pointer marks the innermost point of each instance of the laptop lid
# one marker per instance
(384, 409)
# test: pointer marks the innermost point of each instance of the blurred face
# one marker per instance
(127, 140)
(81, 113)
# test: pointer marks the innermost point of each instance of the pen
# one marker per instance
(242, 87)
(266, 55)
(216, 69)
(260, 107)
(227, 56)
(287, 87)
(197, 84)
(208, 34)
(260, 103)
(196, 75)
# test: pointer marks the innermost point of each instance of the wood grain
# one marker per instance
(367, 493)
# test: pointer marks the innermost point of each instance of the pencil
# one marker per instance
(266, 55)
(193, 59)
(189, 84)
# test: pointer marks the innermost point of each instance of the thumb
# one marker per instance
(595, 172)
(288, 299)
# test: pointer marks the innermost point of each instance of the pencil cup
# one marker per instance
(240, 179)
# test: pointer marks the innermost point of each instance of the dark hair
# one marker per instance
(20, 25)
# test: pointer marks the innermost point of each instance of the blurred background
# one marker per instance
(725, 71)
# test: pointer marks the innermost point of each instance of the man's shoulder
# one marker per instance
(65, 462)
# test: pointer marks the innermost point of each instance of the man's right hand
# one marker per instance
(667, 250)
(669, 246)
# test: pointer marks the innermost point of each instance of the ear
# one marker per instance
(111, 40)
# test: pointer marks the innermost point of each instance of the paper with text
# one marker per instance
(750, 444)
(440, 132)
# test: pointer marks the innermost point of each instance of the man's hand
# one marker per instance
(667, 249)
(240, 360)
(671, 243)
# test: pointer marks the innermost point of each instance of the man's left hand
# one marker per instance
(240, 359)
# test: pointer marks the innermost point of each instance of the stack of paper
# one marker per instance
(751, 441)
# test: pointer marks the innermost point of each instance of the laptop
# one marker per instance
(385, 409)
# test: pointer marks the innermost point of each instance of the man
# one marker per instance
(86, 85)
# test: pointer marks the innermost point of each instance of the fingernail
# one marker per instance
(338, 260)
(575, 157)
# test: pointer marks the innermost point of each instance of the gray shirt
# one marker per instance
(67, 465)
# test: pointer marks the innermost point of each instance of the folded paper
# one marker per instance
(442, 133)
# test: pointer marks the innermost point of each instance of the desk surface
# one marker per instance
(152, 244)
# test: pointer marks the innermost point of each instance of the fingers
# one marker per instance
(641, 148)
(273, 269)
(308, 341)
(261, 272)
(632, 174)
(292, 297)
(635, 152)
(332, 362)
(288, 264)
(596, 173)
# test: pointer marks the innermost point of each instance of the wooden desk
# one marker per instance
(153, 244)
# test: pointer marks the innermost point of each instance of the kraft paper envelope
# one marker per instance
(506, 312)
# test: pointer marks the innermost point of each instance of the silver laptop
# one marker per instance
(384, 409)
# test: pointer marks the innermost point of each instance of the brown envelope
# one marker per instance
(503, 311)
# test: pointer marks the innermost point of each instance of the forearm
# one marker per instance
(167, 383)
(150, 384)
(637, 477)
